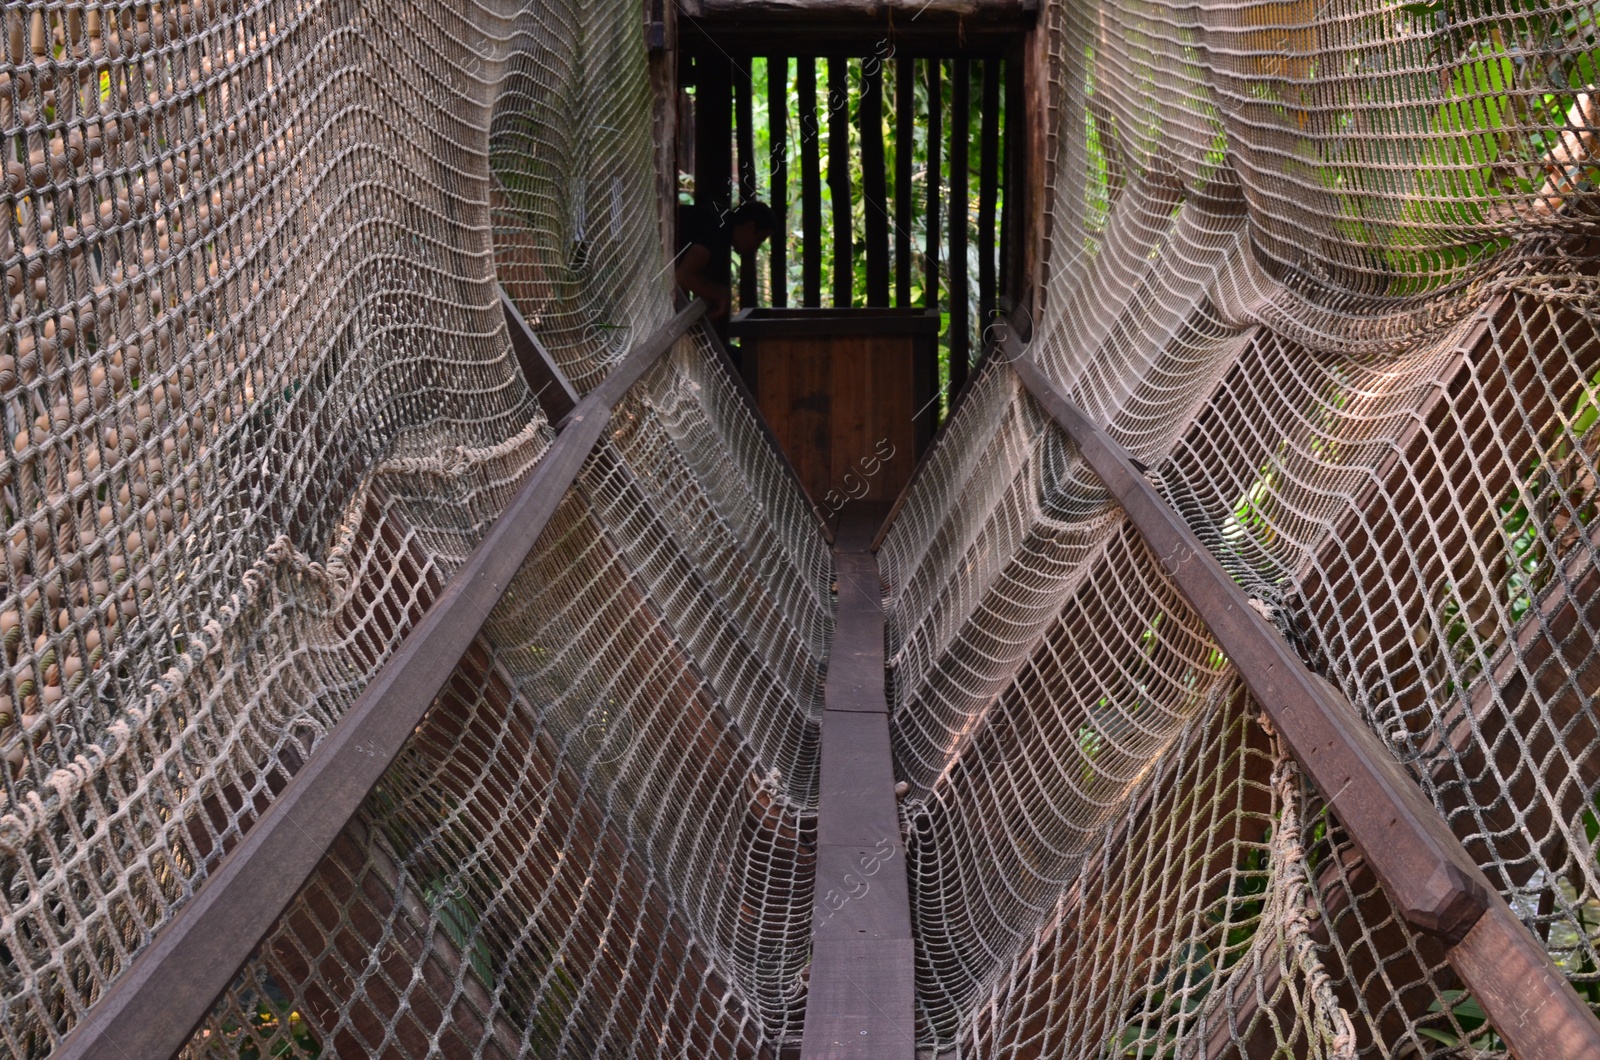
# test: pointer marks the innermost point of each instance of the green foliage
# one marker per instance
(1182, 983)
(1468, 1017)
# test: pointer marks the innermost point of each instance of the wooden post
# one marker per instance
(905, 114)
(1014, 142)
(930, 252)
(778, 192)
(960, 137)
(810, 183)
(713, 136)
(988, 191)
(839, 179)
(875, 181)
(744, 126)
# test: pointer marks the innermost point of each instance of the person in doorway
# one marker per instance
(706, 235)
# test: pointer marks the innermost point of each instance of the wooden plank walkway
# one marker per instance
(861, 993)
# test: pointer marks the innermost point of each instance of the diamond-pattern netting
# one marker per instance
(1324, 267)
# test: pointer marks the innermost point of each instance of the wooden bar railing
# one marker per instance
(988, 189)
(930, 250)
(875, 183)
(745, 138)
(960, 137)
(152, 1009)
(810, 183)
(778, 196)
(905, 117)
(844, 256)
(1427, 875)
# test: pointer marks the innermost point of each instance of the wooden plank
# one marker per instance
(544, 377)
(839, 180)
(1013, 186)
(960, 135)
(980, 9)
(1034, 215)
(713, 133)
(1425, 872)
(850, 386)
(153, 1008)
(810, 184)
(862, 988)
(744, 132)
(800, 322)
(875, 181)
(894, 417)
(905, 116)
(930, 251)
(988, 191)
(778, 185)
(747, 398)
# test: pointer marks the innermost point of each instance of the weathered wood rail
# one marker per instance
(1426, 873)
(152, 1010)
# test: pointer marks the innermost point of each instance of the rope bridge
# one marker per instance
(365, 695)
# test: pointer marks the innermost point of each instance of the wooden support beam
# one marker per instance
(1013, 185)
(960, 188)
(154, 1007)
(805, 79)
(932, 180)
(544, 377)
(875, 181)
(988, 191)
(839, 180)
(744, 132)
(862, 991)
(1423, 869)
(905, 118)
(778, 185)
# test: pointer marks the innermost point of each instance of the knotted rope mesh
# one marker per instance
(1321, 267)
(1324, 266)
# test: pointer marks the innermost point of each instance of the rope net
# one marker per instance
(1325, 268)
(260, 404)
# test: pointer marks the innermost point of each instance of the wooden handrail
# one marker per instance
(1423, 868)
(152, 1009)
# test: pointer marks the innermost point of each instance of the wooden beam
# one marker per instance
(778, 185)
(839, 180)
(544, 377)
(1434, 885)
(154, 1007)
(810, 183)
(988, 191)
(875, 181)
(932, 180)
(960, 187)
(1013, 185)
(905, 132)
(744, 131)
(976, 9)
(862, 989)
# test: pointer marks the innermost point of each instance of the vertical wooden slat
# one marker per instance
(960, 137)
(875, 181)
(810, 183)
(713, 140)
(839, 178)
(778, 193)
(744, 126)
(905, 113)
(1013, 147)
(930, 252)
(988, 190)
